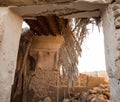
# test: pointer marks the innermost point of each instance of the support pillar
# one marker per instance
(111, 27)
(10, 29)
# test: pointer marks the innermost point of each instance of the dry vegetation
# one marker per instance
(100, 93)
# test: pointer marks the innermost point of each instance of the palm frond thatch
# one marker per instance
(71, 49)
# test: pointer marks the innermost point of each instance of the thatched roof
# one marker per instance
(47, 25)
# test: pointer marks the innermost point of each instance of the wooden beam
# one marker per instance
(57, 9)
(33, 2)
(82, 14)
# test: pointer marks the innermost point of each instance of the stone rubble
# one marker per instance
(100, 93)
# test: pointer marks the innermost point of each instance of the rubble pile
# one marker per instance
(95, 94)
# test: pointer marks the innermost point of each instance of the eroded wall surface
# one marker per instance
(111, 26)
(10, 29)
(44, 78)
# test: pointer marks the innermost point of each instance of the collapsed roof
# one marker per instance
(47, 25)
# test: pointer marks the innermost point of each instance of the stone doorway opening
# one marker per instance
(40, 77)
(12, 15)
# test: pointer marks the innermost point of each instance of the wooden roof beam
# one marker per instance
(58, 9)
(34, 2)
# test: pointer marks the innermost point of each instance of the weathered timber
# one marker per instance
(70, 9)
(31, 2)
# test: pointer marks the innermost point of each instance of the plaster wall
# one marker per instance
(10, 29)
(112, 35)
(44, 79)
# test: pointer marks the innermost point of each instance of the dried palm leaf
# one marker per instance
(71, 50)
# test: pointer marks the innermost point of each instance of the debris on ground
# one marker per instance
(100, 93)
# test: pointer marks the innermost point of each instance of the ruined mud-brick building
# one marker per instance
(48, 20)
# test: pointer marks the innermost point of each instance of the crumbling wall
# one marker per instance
(111, 27)
(44, 77)
(45, 80)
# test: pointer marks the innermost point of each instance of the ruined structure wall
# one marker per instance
(10, 29)
(44, 79)
(111, 26)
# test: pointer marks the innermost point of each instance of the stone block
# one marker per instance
(117, 13)
(117, 22)
(117, 62)
(116, 6)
